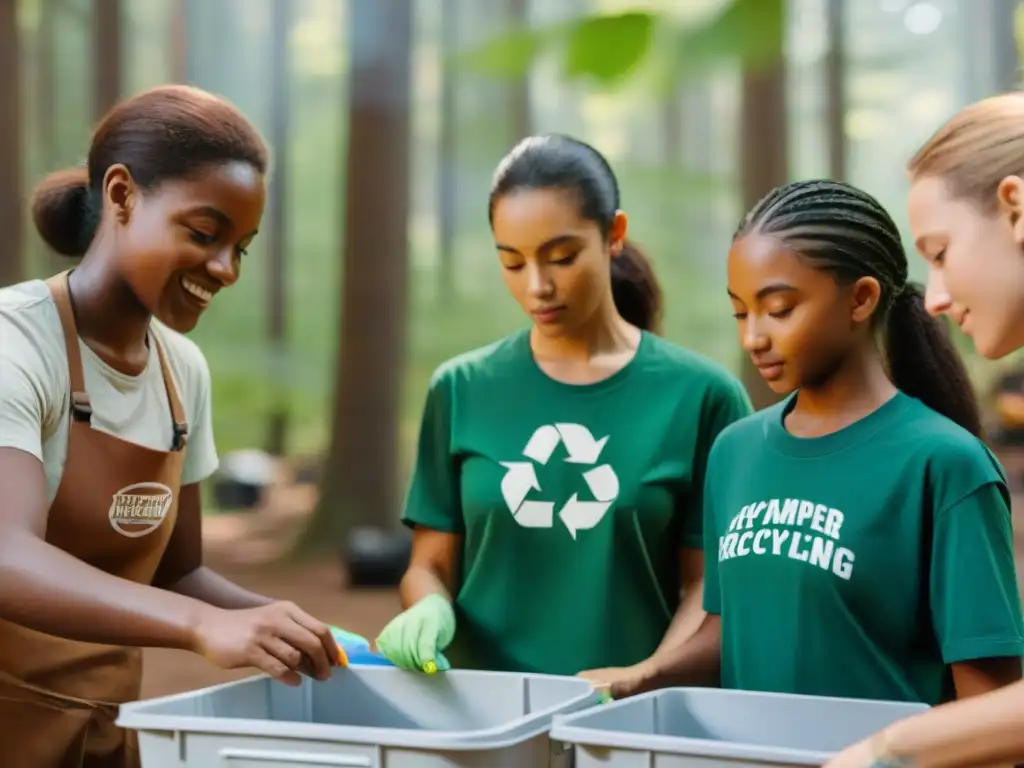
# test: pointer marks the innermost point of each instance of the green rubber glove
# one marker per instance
(415, 638)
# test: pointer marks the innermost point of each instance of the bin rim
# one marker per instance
(678, 745)
(133, 716)
(564, 728)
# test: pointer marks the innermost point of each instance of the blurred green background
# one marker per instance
(700, 105)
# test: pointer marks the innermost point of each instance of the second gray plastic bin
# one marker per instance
(363, 717)
(705, 727)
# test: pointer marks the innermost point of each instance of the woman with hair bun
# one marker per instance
(106, 433)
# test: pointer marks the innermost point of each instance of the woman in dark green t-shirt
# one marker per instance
(556, 497)
(857, 535)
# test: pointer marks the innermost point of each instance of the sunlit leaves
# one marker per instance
(746, 31)
(607, 47)
(511, 54)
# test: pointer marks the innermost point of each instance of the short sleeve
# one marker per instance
(432, 500)
(975, 601)
(201, 458)
(727, 403)
(23, 400)
(712, 586)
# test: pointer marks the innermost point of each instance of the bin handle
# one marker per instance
(289, 757)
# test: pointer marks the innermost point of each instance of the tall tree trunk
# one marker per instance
(447, 160)
(11, 212)
(46, 94)
(46, 109)
(1005, 54)
(277, 332)
(764, 149)
(360, 485)
(107, 25)
(520, 110)
(835, 88)
(177, 50)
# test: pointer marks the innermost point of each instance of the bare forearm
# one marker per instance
(981, 730)
(44, 588)
(419, 582)
(696, 661)
(212, 588)
(687, 620)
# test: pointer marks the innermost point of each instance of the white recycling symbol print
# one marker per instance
(582, 449)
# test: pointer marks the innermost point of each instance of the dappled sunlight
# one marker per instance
(375, 264)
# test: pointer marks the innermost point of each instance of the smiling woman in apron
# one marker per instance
(967, 219)
(105, 434)
(556, 498)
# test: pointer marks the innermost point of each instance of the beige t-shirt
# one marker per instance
(35, 397)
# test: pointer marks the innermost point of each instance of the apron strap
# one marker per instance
(81, 407)
(177, 411)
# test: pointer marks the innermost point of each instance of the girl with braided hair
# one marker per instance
(857, 535)
(967, 219)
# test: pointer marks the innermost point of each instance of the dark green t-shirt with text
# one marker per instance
(862, 563)
(574, 501)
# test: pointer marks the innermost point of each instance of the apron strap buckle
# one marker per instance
(180, 436)
(81, 408)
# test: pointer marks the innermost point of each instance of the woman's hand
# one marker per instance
(621, 682)
(415, 638)
(859, 755)
(279, 639)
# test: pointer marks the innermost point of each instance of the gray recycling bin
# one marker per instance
(365, 717)
(707, 728)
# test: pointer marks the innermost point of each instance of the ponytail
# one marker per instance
(844, 230)
(635, 288)
(558, 162)
(924, 364)
(63, 212)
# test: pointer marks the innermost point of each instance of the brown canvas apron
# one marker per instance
(115, 509)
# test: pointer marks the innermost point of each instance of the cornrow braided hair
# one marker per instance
(838, 224)
(844, 230)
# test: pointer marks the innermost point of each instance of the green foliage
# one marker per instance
(607, 48)
(510, 54)
(746, 31)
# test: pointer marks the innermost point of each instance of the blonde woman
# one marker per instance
(967, 219)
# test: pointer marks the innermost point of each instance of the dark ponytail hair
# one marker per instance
(555, 161)
(845, 231)
(168, 132)
(63, 212)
